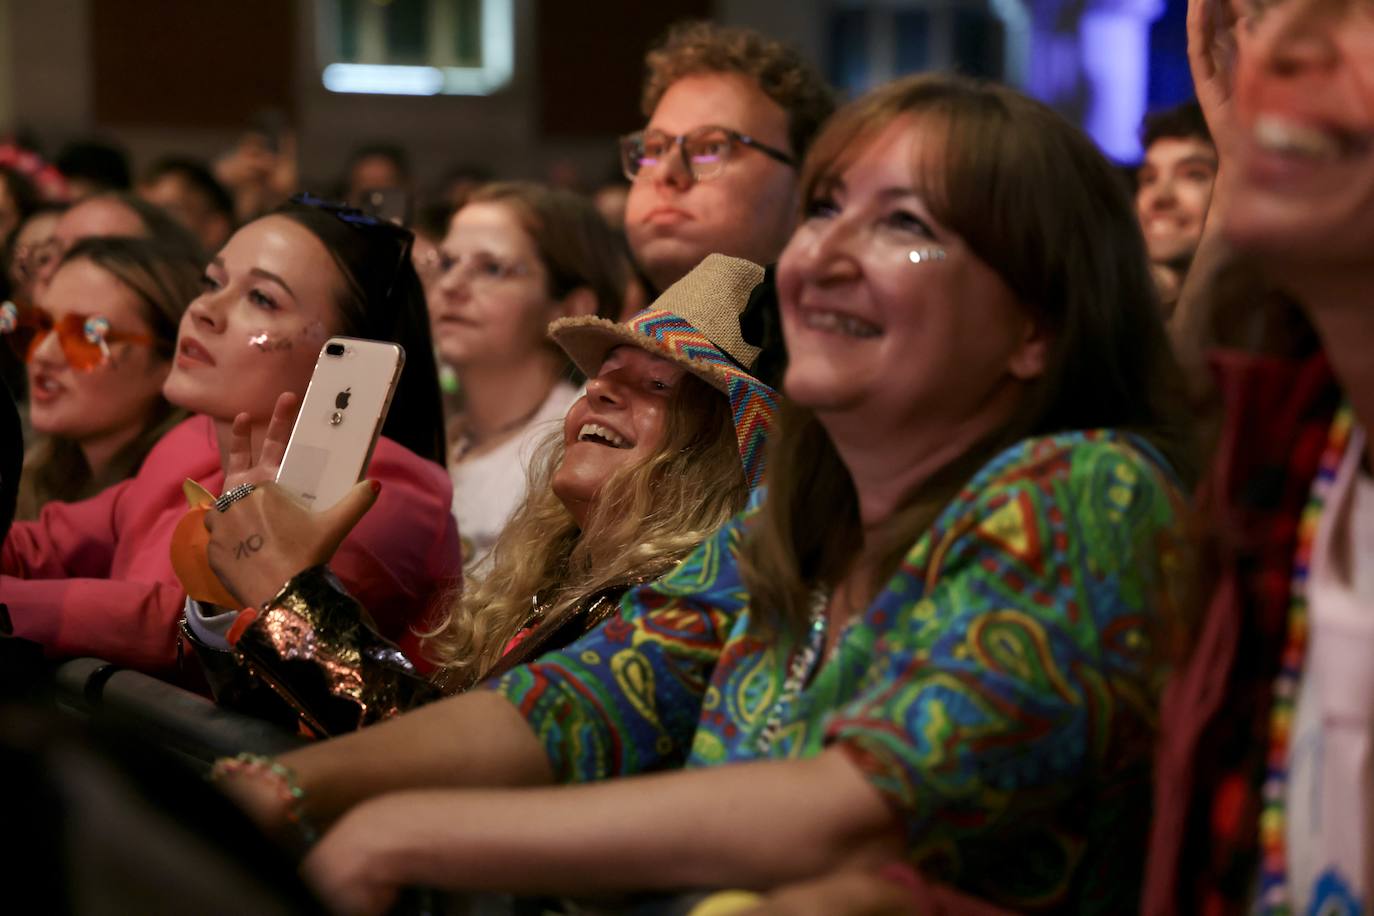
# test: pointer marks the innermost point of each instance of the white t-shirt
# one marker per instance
(488, 488)
(1329, 802)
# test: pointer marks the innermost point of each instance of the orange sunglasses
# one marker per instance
(85, 339)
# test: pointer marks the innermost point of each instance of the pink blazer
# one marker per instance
(95, 577)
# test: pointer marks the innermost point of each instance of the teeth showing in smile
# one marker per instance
(595, 432)
(821, 320)
(48, 384)
(1281, 136)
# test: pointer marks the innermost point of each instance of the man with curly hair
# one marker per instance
(731, 113)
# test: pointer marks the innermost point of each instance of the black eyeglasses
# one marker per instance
(357, 219)
(704, 151)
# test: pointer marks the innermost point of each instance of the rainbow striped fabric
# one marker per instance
(753, 404)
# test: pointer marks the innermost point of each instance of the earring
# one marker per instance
(921, 255)
(9, 317)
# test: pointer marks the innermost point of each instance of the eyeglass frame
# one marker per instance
(680, 142)
(440, 264)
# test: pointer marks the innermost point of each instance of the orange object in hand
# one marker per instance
(190, 561)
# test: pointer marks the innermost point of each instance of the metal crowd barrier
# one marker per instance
(189, 726)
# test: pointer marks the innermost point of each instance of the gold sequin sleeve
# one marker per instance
(318, 648)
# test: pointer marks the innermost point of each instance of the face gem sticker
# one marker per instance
(923, 255)
(265, 343)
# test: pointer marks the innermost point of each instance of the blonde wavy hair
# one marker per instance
(647, 518)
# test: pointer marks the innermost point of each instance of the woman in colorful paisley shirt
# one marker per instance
(928, 640)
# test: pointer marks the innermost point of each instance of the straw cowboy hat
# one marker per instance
(695, 324)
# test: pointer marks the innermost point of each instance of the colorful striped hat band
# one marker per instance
(695, 323)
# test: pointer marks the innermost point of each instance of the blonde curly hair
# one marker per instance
(646, 519)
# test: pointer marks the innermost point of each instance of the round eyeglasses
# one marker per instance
(479, 270)
(704, 151)
(85, 339)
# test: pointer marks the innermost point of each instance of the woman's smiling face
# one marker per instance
(619, 422)
(268, 304)
(889, 317)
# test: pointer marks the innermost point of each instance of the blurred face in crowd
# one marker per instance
(1304, 105)
(190, 207)
(619, 422)
(97, 216)
(75, 392)
(33, 251)
(490, 303)
(892, 323)
(267, 305)
(673, 220)
(1173, 190)
(373, 173)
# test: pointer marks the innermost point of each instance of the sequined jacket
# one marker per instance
(318, 650)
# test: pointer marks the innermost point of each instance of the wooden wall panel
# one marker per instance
(591, 61)
(191, 63)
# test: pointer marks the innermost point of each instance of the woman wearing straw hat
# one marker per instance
(648, 464)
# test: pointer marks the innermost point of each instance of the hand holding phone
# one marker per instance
(340, 419)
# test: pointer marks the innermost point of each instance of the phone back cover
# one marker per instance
(336, 428)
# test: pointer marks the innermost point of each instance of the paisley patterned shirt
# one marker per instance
(999, 691)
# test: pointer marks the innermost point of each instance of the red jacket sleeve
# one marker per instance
(67, 539)
(403, 559)
(128, 623)
(58, 586)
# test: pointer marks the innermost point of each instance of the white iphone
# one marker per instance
(340, 419)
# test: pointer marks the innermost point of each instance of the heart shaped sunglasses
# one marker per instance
(85, 339)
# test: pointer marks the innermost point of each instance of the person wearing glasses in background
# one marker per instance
(731, 114)
(113, 213)
(517, 256)
(24, 255)
(96, 577)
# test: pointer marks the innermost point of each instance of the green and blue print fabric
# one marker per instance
(999, 692)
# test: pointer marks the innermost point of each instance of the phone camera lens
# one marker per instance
(334, 349)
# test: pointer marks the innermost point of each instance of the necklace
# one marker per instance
(466, 442)
(1273, 895)
(797, 673)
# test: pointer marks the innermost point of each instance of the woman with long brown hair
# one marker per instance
(931, 641)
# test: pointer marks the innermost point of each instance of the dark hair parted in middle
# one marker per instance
(1034, 199)
(381, 299)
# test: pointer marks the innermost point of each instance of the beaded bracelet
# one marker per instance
(285, 778)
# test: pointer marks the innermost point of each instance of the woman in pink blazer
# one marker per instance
(95, 577)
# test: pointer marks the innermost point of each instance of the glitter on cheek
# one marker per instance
(314, 334)
(924, 255)
(266, 343)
